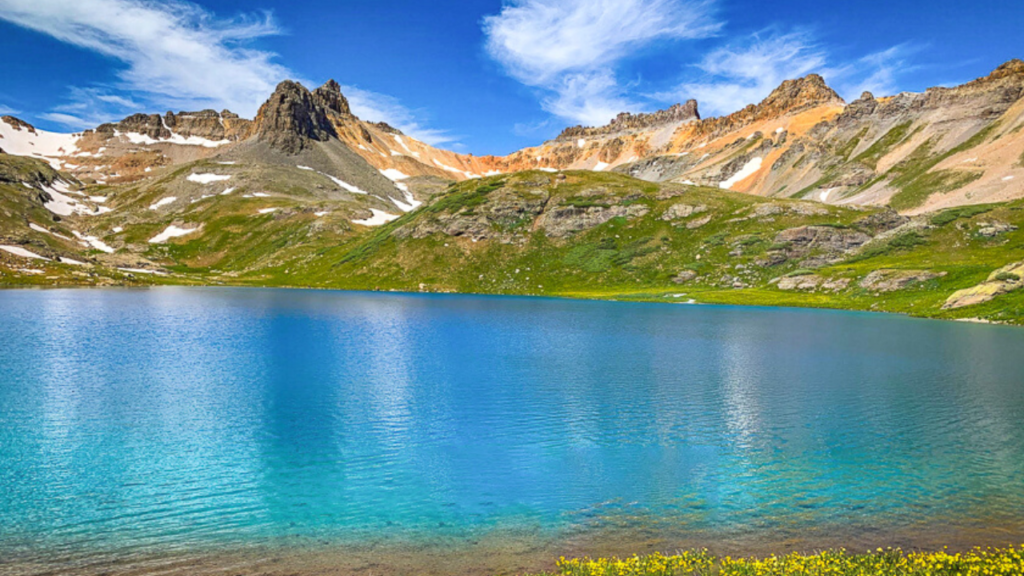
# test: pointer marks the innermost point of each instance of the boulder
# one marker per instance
(566, 220)
(1004, 280)
(678, 211)
(698, 222)
(684, 277)
(993, 229)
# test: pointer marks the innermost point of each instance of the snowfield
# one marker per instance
(163, 202)
(143, 139)
(41, 144)
(171, 231)
(393, 174)
(379, 218)
(748, 170)
(207, 178)
(18, 251)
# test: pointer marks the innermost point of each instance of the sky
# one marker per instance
(481, 76)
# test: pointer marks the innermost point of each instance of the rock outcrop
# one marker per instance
(626, 122)
(893, 280)
(329, 96)
(1002, 281)
(292, 118)
(206, 124)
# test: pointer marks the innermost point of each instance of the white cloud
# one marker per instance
(740, 74)
(178, 56)
(6, 110)
(569, 48)
(173, 52)
(746, 72)
(876, 73)
(376, 107)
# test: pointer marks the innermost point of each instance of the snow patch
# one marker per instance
(171, 231)
(1008, 178)
(94, 242)
(39, 228)
(581, 143)
(228, 191)
(601, 166)
(40, 144)
(748, 170)
(393, 174)
(64, 260)
(824, 195)
(63, 205)
(268, 210)
(207, 178)
(163, 202)
(144, 139)
(19, 251)
(379, 218)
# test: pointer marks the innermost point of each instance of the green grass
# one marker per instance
(884, 145)
(633, 258)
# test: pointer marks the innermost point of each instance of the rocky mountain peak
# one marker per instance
(1014, 67)
(627, 121)
(330, 97)
(802, 93)
(292, 118)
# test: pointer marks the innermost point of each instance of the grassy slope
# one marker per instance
(637, 258)
(624, 258)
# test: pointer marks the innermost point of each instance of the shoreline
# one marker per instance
(645, 296)
(486, 556)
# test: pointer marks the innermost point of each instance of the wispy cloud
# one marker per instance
(569, 49)
(877, 73)
(177, 55)
(7, 110)
(376, 107)
(745, 72)
(172, 52)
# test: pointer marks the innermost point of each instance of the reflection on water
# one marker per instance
(154, 423)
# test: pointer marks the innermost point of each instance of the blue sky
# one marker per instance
(481, 76)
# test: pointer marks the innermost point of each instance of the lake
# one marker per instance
(199, 430)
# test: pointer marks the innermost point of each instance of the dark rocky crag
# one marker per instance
(293, 118)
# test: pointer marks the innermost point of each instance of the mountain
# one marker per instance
(788, 201)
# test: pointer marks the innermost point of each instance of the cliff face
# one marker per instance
(206, 124)
(292, 118)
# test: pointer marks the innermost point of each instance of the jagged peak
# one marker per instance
(292, 117)
(800, 93)
(1013, 67)
(387, 128)
(628, 121)
(330, 97)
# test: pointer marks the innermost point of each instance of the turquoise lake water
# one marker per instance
(183, 419)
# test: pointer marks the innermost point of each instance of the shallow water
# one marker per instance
(228, 429)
